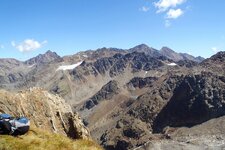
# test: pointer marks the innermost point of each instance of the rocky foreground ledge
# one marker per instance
(46, 111)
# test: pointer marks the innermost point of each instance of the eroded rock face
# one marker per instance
(196, 99)
(106, 93)
(46, 111)
(138, 82)
(177, 101)
(117, 65)
(187, 63)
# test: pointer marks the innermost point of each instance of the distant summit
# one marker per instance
(165, 51)
(48, 57)
(143, 48)
(220, 56)
(200, 59)
(169, 53)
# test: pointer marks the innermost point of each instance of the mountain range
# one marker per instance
(139, 98)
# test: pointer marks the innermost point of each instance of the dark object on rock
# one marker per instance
(5, 127)
(13, 126)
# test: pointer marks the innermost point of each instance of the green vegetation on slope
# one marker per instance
(36, 139)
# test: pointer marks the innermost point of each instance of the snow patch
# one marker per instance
(69, 67)
(172, 64)
(31, 66)
(85, 56)
(145, 73)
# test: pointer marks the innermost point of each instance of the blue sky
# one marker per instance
(30, 27)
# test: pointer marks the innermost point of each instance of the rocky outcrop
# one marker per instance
(117, 65)
(218, 57)
(106, 93)
(9, 63)
(46, 111)
(149, 104)
(196, 99)
(129, 134)
(145, 62)
(178, 101)
(11, 71)
(139, 82)
(104, 64)
(187, 63)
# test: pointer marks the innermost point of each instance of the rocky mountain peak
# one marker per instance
(49, 56)
(167, 50)
(200, 58)
(171, 54)
(141, 46)
(215, 63)
(220, 56)
(50, 53)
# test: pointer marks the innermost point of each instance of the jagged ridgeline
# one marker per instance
(136, 98)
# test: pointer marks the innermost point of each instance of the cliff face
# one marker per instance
(195, 100)
(46, 111)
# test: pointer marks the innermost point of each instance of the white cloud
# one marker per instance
(44, 42)
(28, 45)
(215, 49)
(144, 8)
(167, 23)
(13, 43)
(169, 8)
(174, 13)
(2, 46)
(164, 5)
